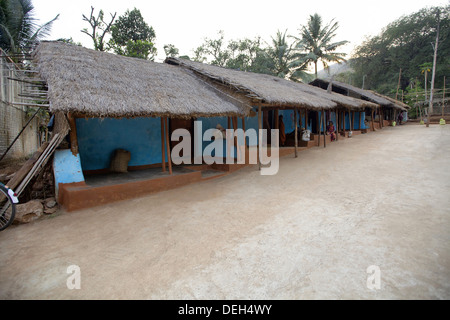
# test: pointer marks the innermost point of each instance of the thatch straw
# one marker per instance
(355, 92)
(396, 104)
(261, 87)
(99, 84)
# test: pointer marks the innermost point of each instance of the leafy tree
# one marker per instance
(132, 36)
(406, 44)
(99, 28)
(19, 28)
(171, 50)
(316, 43)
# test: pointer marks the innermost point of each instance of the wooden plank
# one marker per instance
(23, 171)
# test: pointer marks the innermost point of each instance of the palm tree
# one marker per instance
(316, 43)
(18, 27)
(282, 63)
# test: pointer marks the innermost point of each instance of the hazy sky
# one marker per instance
(185, 23)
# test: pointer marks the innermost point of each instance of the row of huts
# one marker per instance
(104, 103)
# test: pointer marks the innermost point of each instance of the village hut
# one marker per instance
(274, 96)
(122, 108)
(388, 107)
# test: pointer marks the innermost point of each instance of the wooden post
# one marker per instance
(381, 120)
(306, 119)
(337, 125)
(324, 129)
(443, 100)
(319, 122)
(359, 120)
(277, 120)
(166, 129)
(259, 134)
(373, 120)
(235, 127)
(296, 132)
(73, 134)
(243, 128)
(353, 120)
(163, 148)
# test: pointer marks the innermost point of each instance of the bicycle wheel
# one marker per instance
(7, 209)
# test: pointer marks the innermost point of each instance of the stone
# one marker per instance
(27, 212)
(50, 202)
(51, 210)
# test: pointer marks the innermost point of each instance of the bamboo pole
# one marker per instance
(296, 132)
(163, 148)
(166, 129)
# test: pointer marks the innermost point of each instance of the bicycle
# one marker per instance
(8, 200)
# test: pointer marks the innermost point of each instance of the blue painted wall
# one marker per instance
(66, 168)
(98, 138)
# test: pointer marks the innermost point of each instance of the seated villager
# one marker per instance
(331, 130)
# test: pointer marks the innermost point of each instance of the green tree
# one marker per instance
(19, 29)
(99, 28)
(132, 36)
(406, 44)
(316, 43)
(171, 51)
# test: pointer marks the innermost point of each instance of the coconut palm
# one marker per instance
(281, 57)
(18, 26)
(316, 43)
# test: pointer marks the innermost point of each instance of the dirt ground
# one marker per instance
(309, 232)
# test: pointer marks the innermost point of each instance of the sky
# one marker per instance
(186, 23)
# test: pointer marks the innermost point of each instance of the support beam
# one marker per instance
(166, 129)
(324, 129)
(296, 132)
(163, 148)
(319, 124)
(259, 134)
(73, 134)
(337, 125)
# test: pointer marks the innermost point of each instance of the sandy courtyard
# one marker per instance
(310, 232)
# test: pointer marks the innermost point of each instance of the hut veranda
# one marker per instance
(382, 116)
(126, 108)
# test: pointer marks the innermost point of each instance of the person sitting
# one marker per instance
(331, 130)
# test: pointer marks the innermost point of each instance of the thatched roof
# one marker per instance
(355, 92)
(99, 84)
(396, 104)
(260, 87)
